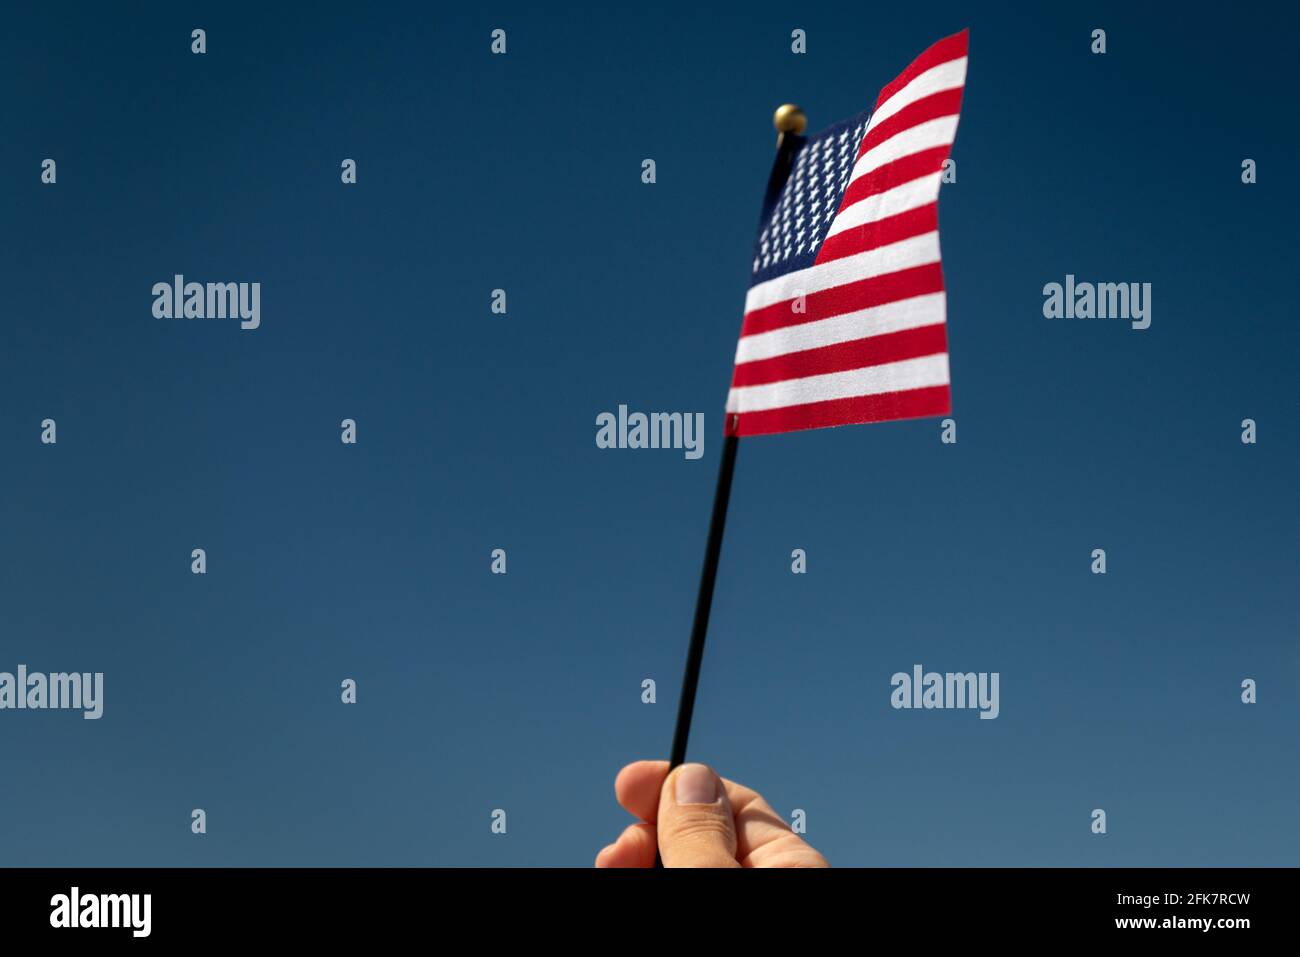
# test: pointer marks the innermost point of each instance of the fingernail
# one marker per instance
(696, 784)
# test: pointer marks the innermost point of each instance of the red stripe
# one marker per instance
(882, 232)
(911, 404)
(949, 48)
(843, 356)
(943, 103)
(893, 174)
(863, 294)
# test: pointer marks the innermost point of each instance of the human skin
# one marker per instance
(696, 819)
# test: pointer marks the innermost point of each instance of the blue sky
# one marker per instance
(476, 431)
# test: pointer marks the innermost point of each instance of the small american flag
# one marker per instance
(844, 319)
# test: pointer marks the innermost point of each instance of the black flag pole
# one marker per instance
(790, 123)
(704, 601)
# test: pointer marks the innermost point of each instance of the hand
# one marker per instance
(697, 819)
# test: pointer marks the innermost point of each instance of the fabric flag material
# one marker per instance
(845, 315)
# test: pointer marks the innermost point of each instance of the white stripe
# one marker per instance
(945, 76)
(878, 206)
(913, 251)
(940, 131)
(927, 310)
(873, 380)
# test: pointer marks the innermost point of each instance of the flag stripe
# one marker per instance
(848, 297)
(925, 135)
(906, 196)
(871, 380)
(946, 50)
(778, 292)
(859, 238)
(856, 354)
(895, 174)
(856, 410)
(932, 107)
(879, 320)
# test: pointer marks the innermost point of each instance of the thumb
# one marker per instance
(696, 828)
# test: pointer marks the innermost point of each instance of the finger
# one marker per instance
(762, 835)
(637, 788)
(635, 847)
(695, 826)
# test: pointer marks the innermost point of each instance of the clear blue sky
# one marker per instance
(477, 431)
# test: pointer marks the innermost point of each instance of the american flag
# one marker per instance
(844, 319)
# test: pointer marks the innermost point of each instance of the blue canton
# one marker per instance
(790, 237)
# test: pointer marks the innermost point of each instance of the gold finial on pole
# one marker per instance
(789, 119)
(790, 122)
